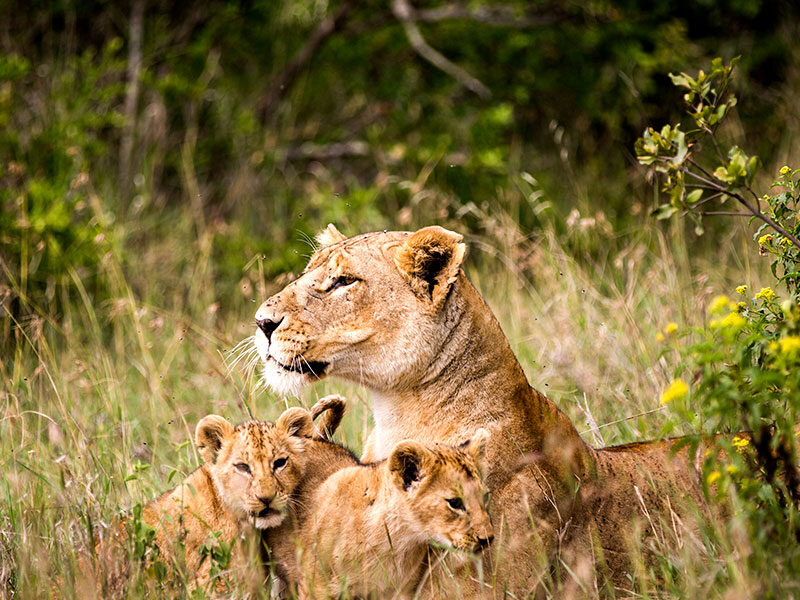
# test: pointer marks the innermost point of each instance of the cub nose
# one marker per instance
(265, 500)
(267, 326)
(484, 542)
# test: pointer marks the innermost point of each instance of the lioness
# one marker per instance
(395, 312)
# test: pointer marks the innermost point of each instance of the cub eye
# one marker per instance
(279, 463)
(456, 503)
(486, 498)
(243, 467)
(341, 281)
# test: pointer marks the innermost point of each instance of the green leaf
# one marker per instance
(694, 196)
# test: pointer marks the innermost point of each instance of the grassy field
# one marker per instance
(99, 402)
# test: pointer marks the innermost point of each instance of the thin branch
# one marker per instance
(497, 16)
(131, 91)
(405, 13)
(726, 213)
(699, 168)
(283, 82)
(756, 212)
(311, 151)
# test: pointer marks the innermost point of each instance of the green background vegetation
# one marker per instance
(163, 167)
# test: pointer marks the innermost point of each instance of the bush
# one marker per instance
(741, 372)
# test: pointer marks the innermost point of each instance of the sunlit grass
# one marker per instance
(99, 402)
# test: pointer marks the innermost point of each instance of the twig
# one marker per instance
(404, 13)
(636, 416)
(718, 187)
(724, 213)
(283, 82)
(497, 16)
(132, 90)
(311, 151)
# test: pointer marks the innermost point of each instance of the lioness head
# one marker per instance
(368, 309)
(255, 465)
(444, 491)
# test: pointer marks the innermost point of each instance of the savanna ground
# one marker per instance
(138, 236)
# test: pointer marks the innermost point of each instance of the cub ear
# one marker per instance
(329, 236)
(430, 260)
(332, 410)
(409, 464)
(209, 434)
(296, 422)
(476, 447)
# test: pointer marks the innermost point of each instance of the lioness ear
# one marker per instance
(329, 236)
(297, 422)
(332, 410)
(430, 260)
(209, 434)
(409, 463)
(476, 447)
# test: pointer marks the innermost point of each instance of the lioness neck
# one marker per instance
(476, 381)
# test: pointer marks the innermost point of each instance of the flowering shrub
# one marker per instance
(741, 372)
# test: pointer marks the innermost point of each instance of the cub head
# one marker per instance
(444, 494)
(255, 465)
(371, 309)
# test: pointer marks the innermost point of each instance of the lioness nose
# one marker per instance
(267, 326)
(484, 542)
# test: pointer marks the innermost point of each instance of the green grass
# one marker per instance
(99, 401)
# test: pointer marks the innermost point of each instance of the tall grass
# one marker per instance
(98, 402)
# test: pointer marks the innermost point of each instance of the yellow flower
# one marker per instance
(733, 321)
(788, 346)
(675, 391)
(719, 303)
(732, 469)
(785, 170)
(741, 306)
(712, 477)
(740, 442)
(766, 294)
(741, 290)
(671, 328)
(660, 336)
(764, 239)
(785, 242)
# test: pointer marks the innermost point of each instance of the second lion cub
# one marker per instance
(369, 527)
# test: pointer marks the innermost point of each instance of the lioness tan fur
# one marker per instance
(394, 311)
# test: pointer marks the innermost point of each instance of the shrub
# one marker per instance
(741, 372)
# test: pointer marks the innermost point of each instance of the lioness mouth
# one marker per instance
(302, 366)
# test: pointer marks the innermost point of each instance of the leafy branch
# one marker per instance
(675, 154)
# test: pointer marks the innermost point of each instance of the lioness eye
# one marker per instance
(456, 503)
(244, 468)
(281, 462)
(341, 281)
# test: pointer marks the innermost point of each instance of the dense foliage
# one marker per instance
(267, 119)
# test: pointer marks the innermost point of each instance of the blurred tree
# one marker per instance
(271, 117)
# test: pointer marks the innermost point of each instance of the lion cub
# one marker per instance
(369, 528)
(248, 473)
